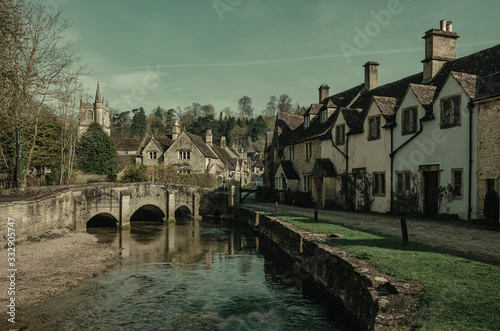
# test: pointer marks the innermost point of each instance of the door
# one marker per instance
(430, 193)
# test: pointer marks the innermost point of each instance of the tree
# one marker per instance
(96, 152)
(38, 56)
(157, 126)
(121, 124)
(272, 106)
(139, 123)
(285, 104)
(245, 106)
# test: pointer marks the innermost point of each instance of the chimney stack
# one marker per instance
(223, 142)
(208, 137)
(324, 91)
(440, 47)
(371, 75)
(176, 130)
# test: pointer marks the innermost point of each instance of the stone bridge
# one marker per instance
(74, 206)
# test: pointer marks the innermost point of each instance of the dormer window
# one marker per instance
(324, 116)
(306, 122)
(152, 155)
(374, 127)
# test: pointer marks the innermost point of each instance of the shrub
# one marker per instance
(135, 174)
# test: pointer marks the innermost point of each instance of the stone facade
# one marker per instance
(97, 112)
(488, 149)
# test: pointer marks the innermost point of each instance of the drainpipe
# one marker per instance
(393, 153)
(345, 155)
(391, 128)
(470, 106)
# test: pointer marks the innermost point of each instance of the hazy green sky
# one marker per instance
(175, 52)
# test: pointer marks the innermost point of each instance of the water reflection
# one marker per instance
(190, 276)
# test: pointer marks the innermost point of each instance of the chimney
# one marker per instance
(324, 91)
(223, 142)
(371, 75)
(208, 137)
(440, 47)
(176, 130)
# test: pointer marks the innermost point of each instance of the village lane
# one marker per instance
(455, 237)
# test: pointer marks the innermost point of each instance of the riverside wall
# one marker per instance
(374, 301)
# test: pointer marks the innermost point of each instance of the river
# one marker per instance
(193, 275)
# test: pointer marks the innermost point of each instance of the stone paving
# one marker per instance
(454, 237)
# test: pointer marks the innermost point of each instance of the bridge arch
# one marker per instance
(103, 220)
(183, 212)
(148, 212)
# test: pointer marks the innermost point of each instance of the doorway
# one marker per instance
(431, 188)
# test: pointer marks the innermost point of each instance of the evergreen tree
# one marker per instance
(139, 123)
(96, 152)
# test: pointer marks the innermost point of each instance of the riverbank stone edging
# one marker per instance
(374, 301)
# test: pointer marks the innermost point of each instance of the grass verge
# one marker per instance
(459, 294)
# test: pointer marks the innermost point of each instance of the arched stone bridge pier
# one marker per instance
(75, 205)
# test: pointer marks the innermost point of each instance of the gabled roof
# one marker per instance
(354, 118)
(289, 169)
(467, 81)
(385, 104)
(292, 121)
(313, 109)
(424, 93)
(481, 63)
(489, 86)
(225, 157)
(163, 143)
(316, 129)
(198, 141)
(323, 168)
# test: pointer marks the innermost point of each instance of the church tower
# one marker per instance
(94, 112)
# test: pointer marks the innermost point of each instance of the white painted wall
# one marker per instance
(448, 148)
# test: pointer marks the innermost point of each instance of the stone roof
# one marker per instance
(292, 121)
(424, 93)
(259, 163)
(467, 81)
(198, 141)
(385, 104)
(489, 86)
(316, 129)
(289, 169)
(354, 118)
(125, 144)
(323, 168)
(163, 142)
(225, 157)
(313, 109)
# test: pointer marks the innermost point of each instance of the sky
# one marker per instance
(175, 52)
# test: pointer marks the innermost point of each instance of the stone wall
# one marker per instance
(488, 148)
(75, 205)
(374, 301)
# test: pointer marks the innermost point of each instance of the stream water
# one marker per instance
(193, 275)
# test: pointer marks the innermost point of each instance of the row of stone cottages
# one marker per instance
(431, 139)
(190, 154)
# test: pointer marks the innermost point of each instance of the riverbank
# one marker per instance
(59, 261)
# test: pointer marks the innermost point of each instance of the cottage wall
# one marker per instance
(196, 162)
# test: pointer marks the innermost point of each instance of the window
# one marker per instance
(152, 155)
(306, 122)
(450, 112)
(374, 128)
(308, 150)
(340, 134)
(403, 182)
(307, 183)
(379, 183)
(456, 182)
(291, 152)
(279, 183)
(184, 155)
(324, 116)
(410, 120)
(90, 115)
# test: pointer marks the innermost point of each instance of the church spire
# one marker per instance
(98, 94)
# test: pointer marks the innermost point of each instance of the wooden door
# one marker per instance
(431, 202)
